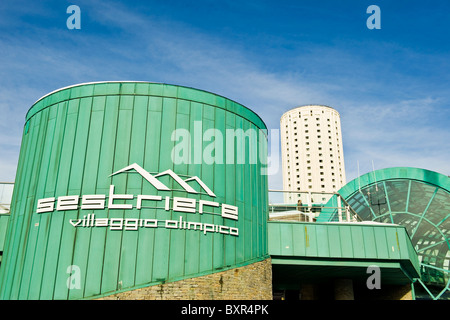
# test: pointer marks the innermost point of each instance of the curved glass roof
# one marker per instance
(417, 199)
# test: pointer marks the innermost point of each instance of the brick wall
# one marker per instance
(251, 282)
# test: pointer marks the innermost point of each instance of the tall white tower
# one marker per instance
(312, 153)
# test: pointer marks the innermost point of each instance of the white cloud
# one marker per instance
(382, 120)
(403, 133)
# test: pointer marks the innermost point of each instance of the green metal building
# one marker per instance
(122, 186)
(6, 190)
(133, 184)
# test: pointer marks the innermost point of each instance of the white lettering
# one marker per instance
(206, 203)
(45, 205)
(229, 211)
(75, 224)
(90, 221)
(184, 204)
(171, 224)
(116, 223)
(131, 224)
(93, 201)
(195, 224)
(146, 197)
(198, 310)
(101, 222)
(208, 228)
(113, 197)
(221, 229)
(97, 202)
(67, 203)
(150, 223)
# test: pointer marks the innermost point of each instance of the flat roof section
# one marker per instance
(315, 252)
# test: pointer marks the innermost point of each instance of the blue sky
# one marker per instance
(391, 86)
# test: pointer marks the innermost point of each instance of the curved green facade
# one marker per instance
(122, 185)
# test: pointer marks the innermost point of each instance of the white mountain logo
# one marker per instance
(114, 201)
(162, 187)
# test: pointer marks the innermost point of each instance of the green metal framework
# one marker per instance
(6, 190)
(417, 199)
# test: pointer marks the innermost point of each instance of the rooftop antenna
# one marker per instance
(374, 177)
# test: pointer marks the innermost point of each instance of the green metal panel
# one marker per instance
(4, 220)
(77, 137)
(337, 245)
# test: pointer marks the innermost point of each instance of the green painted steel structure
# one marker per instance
(75, 143)
(417, 199)
(305, 252)
(4, 220)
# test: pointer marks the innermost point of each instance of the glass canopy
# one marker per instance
(417, 199)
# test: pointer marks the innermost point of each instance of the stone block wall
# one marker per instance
(251, 282)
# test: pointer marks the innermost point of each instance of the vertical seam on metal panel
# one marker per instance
(102, 266)
(96, 181)
(70, 167)
(144, 143)
(159, 169)
(96, 187)
(56, 187)
(213, 183)
(201, 175)
(126, 187)
(36, 179)
(157, 165)
(82, 177)
(112, 165)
